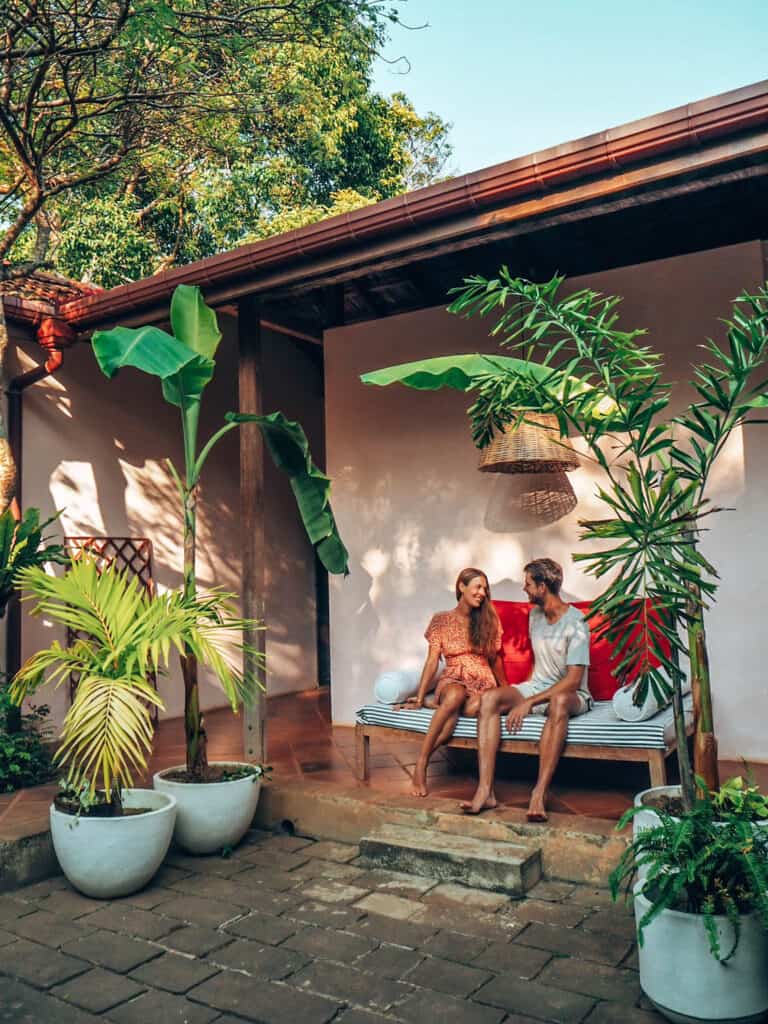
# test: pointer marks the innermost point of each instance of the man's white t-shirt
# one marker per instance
(556, 646)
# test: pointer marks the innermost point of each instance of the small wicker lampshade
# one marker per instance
(529, 501)
(531, 443)
(7, 475)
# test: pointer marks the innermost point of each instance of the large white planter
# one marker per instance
(686, 983)
(108, 857)
(211, 815)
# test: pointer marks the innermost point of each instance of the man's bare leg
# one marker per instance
(494, 703)
(551, 745)
(444, 716)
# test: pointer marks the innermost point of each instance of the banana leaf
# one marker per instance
(287, 444)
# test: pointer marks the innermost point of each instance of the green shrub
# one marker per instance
(24, 756)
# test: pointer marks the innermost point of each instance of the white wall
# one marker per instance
(411, 504)
(95, 449)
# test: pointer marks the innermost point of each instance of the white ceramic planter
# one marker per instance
(108, 857)
(686, 983)
(211, 815)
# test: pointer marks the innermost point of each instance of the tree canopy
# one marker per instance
(139, 134)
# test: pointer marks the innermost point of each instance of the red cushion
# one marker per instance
(517, 654)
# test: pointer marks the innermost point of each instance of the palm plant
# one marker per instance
(604, 384)
(124, 635)
(185, 363)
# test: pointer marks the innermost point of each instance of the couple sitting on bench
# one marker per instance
(474, 682)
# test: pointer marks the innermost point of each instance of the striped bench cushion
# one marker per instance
(597, 728)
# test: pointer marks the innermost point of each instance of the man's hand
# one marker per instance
(411, 704)
(515, 717)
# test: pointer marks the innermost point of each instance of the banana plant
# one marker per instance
(184, 361)
(124, 634)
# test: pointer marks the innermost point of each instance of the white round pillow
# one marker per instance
(397, 685)
(625, 708)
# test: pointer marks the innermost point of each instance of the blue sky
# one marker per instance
(514, 76)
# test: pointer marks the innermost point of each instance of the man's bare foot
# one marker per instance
(537, 810)
(478, 804)
(419, 780)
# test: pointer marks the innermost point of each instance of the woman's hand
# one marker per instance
(517, 714)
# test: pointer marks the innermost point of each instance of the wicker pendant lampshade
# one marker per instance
(528, 501)
(530, 443)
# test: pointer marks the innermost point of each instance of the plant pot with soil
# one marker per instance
(701, 908)
(184, 361)
(109, 837)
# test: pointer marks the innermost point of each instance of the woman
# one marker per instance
(469, 638)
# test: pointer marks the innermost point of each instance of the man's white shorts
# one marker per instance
(531, 690)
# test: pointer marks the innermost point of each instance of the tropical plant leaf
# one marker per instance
(287, 444)
(193, 322)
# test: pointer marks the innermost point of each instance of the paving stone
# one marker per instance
(500, 927)
(432, 1006)
(445, 976)
(563, 914)
(326, 915)
(254, 879)
(12, 910)
(70, 903)
(619, 921)
(211, 887)
(39, 890)
(391, 961)
(267, 901)
(38, 965)
(590, 896)
(332, 891)
(264, 1001)
(162, 1008)
(342, 852)
(173, 972)
(197, 910)
(454, 946)
(121, 917)
(261, 928)
(259, 961)
(391, 929)
(98, 990)
(349, 985)
(533, 999)
(615, 1013)
(22, 1004)
(631, 960)
(388, 906)
(165, 877)
(6, 938)
(328, 869)
(119, 953)
(452, 893)
(354, 1016)
(213, 865)
(554, 891)
(149, 899)
(396, 883)
(274, 860)
(196, 940)
(288, 844)
(596, 980)
(329, 945)
(604, 949)
(512, 958)
(48, 929)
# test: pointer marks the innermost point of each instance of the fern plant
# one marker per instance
(107, 734)
(699, 864)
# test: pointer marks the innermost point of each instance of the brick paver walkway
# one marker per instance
(291, 931)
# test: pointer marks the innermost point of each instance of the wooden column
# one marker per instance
(252, 518)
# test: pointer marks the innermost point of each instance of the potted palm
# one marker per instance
(109, 837)
(701, 909)
(216, 802)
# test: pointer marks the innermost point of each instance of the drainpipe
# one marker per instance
(53, 335)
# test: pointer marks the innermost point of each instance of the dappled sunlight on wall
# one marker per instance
(74, 493)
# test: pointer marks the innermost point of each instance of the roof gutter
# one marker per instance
(607, 153)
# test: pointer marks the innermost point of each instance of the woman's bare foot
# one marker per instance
(479, 803)
(419, 780)
(537, 810)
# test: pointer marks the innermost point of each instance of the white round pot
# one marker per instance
(108, 857)
(686, 983)
(211, 815)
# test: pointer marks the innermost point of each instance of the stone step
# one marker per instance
(493, 864)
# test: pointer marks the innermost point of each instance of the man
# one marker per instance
(557, 688)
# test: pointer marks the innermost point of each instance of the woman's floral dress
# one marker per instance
(448, 634)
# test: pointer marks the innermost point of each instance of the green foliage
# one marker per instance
(740, 797)
(22, 545)
(126, 634)
(24, 757)
(150, 134)
(699, 864)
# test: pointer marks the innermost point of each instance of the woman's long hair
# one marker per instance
(483, 621)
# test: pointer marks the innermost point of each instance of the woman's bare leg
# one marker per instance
(492, 705)
(447, 712)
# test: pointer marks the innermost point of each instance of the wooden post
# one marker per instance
(252, 516)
